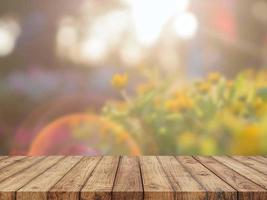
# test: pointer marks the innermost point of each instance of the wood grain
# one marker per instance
(10, 160)
(244, 170)
(69, 186)
(9, 186)
(214, 186)
(99, 185)
(185, 186)
(38, 188)
(259, 159)
(18, 166)
(155, 181)
(246, 189)
(128, 183)
(252, 163)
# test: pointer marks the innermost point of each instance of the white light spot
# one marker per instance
(66, 36)
(186, 25)
(110, 26)
(9, 31)
(93, 49)
(150, 16)
(131, 54)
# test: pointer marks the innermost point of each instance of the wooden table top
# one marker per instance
(133, 178)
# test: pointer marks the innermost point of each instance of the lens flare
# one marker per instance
(83, 134)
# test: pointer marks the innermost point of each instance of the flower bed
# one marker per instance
(209, 116)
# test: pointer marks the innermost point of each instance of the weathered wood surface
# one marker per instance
(133, 178)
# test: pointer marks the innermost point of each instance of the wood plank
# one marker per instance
(252, 163)
(246, 188)
(70, 185)
(38, 188)
(10, 160)
(18, 166)
(215, 187)
(259, 159)
(185, 186)
(9, 186)
(155, 181)
(128, 182)
(244, 170)
(99, 185)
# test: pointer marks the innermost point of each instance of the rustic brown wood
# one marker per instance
(185, 186)
(73, 181)
(99, 185)
(248, 172)
(9, 186)
(133, 178)
(9, 160)
(214, 186)
(259, 159)
(19, 166)
(252, 163)
(155, 181)
(38, 188)
(246, 188)
(128, 183)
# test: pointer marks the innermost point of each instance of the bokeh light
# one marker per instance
(9, 31)
(93, 49)
(150, 17)
(67, 38)
(185, 25)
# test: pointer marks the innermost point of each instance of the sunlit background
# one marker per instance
(80, 77)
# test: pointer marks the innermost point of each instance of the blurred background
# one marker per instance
(69, 72)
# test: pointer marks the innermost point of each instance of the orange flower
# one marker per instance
(119, 81)
(214, 77)
(180, 103)
(204, 87)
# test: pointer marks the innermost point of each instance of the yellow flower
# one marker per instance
(180, 92)
(248, 141)
(214, 77)
(119, 81)
(172, 105)
(180, 103)
(185, 102)
(187, 140)
(204, 87)
(237, 107)
(229, 84)
(259, 106)
(208, 147)
(258, 103)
